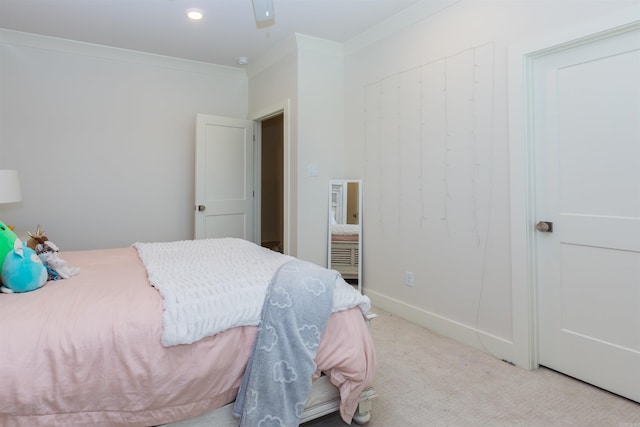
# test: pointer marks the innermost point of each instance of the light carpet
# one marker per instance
(427, 380)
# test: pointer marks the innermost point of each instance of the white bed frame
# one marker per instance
(324, 399)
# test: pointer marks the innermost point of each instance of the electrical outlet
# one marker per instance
(408, 278)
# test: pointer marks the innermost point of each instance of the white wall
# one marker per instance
(103, 138)
(309, 73)
(320, 141)
(273, 84)
(427, 131)
(116, 128)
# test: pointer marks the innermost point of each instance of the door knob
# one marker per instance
(544, 226)
(201, 208)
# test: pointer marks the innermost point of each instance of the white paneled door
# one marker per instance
(224, 178)
(587, 185)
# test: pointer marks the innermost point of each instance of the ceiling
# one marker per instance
(228, 30)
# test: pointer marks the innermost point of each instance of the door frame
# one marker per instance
(284, 108)
(521, 59)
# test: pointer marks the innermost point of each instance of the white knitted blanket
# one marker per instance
(211, 285)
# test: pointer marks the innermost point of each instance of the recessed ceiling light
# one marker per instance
(195, 14)
(243, 60)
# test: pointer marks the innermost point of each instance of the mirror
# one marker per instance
(345, 229)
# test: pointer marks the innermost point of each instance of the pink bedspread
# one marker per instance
(86, 351)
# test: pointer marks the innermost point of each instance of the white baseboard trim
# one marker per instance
(483, 341)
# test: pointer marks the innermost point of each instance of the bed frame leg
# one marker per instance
(363, 413)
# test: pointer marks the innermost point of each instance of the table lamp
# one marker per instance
(9, 186)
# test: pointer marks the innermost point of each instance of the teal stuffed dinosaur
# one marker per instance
(7, 239)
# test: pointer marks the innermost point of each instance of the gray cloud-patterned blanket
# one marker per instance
(277, 381)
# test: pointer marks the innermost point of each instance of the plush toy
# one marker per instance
(47, 251)
(44, 249)
(22, 270)
(36, 239)
(7, 238)
(59, 267)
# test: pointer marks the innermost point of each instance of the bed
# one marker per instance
(93, 350)
(345, 245)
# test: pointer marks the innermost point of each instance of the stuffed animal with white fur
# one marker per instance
(60, 266)
(48, 253)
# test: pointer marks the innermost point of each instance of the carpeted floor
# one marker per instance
(426, 380)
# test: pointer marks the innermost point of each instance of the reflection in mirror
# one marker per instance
(345, 229)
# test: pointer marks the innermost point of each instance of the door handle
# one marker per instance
(545, 226)
(201, 208)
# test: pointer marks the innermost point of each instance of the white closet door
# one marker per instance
(587, 169)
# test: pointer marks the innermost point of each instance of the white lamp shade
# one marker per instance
(9, 186)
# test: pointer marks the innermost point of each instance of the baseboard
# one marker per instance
(495, 346)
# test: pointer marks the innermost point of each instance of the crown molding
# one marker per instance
(397, 22)
(272, 56)
(319, 45)
(36, 41)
